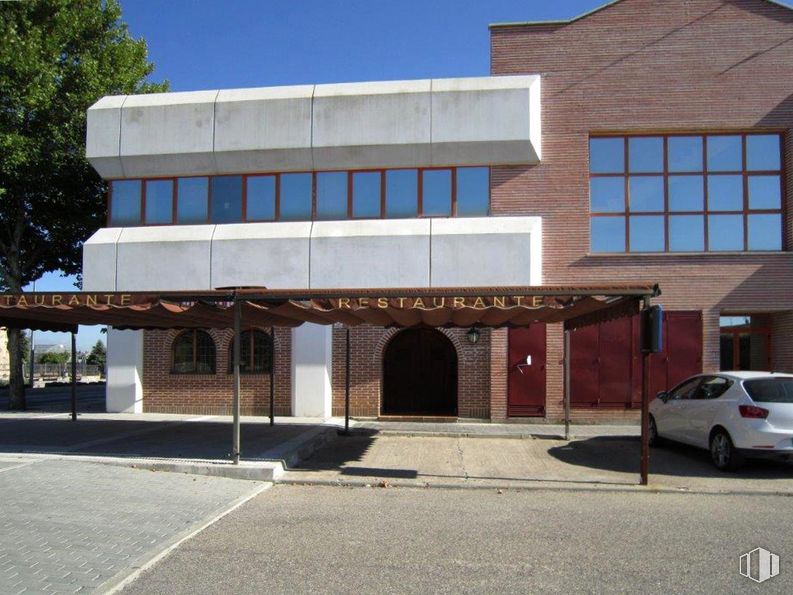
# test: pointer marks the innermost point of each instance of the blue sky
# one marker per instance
(211, 44)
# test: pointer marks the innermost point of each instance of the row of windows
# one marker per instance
(686, 193)
(332, 195)
(193, 352)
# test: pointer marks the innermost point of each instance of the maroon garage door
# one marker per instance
(605, 360)
(526, 383)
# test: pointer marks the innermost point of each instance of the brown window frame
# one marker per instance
(251, 333)
(194, 370)
(706, 212)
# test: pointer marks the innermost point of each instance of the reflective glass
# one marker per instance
(437, 192)
(191, 200)
(366, 194)
(646, 193)
(607, 194)
(725, 232)
(607, 155)
(686, 233)
(765, 192)
(226, 199)
(473, 191)
(332, 195)
(725, 193)
(724, 153)
(647, 234)
(261, 198)
(608, 234)
(765, 232)
(686, 193)
(763, 152)
(159, 202)
(296, 197)
(645, 154)
(684, 153)
(401, 193)
(125, 202)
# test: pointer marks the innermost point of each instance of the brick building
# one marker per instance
(648, 140)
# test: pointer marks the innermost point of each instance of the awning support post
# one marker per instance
(644, 465)
(272, 377)
(347, 383)
(74, 376)
(235, 448)
(566, 363)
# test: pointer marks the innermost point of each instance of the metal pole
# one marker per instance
(566, 363)
(347, 386)
(644, 465)
(235, 449)
(272, 378)
(74, 376)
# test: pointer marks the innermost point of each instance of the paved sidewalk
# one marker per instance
(72, 527)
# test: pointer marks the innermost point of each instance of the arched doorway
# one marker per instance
(420, 374)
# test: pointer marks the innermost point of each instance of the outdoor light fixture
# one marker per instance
(473, 335)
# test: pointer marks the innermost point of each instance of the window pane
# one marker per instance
(226, 199)
(205, 353)
(725, 193)
(191, 200)
(261, 198)
(401, 192)
(765, 192)
(724, 153)
(437, 192)
(296, 197)
(686, 233)
(159, 202)
(332, 195)
(685, 153)
(725, 232)
(473, 191)
(646, 193)
(366, 194)
(686, 193)
(608, 234)
(607, 155)
(762, 152)
(645, 154)
(125, 202)
(607, 195)
(765, 232)
(647, 234)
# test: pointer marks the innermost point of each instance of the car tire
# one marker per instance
(655, 439)
(723, 453)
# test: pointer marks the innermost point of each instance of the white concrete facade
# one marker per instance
(468, 121)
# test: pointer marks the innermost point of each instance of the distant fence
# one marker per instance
(55, 372)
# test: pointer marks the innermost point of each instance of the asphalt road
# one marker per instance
(299, 539)
(90, 398)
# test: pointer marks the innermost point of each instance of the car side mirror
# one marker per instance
(662, 396)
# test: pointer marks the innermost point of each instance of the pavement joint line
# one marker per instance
(19, 466)
(108, 588)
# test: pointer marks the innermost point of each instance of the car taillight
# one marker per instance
(753, 412)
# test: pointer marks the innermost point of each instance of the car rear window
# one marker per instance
(770, 390)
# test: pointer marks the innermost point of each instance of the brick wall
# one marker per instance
(651, 66)
(367, 345)
(211, 394)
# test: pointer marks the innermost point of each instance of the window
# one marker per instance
(226, 199)
(256, 353)
(193, 353)
(686, 193)
(332, 195)
(712, 387)
(366, 197)
(261, 193)
(125, 202)
(401, 193)
(473, 191)
(193, 197)
(159, 202)
(296, 197)
(436, 192)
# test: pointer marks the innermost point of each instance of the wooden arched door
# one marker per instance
(420, 374)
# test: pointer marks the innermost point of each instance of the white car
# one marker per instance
(733, 414)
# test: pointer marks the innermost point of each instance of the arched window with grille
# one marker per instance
(256, 352)
(193, 353)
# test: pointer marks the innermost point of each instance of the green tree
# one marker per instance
(54, 357)
(57, 57)
(98, 356)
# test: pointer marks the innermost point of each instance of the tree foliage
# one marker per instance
(98, 356)
(57, 57)
(53, 357)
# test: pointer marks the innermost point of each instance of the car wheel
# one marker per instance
(655, 439)
(723, 453)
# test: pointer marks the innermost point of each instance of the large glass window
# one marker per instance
(260, 192)
(296, 197)
(686, 193)
(192, 200)
(401, 193)
(193, 352)
(332, 195)
(473, 191)
(256, 353)
(125, 202)
(366, 194)
(159, 202)
(436, 192)
(226, 199)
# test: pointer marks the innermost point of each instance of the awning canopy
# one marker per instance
(389, 307)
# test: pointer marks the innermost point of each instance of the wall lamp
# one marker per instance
(473, 335)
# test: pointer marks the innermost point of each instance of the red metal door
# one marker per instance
(584, 367)
(526, 383)
(615, 363)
